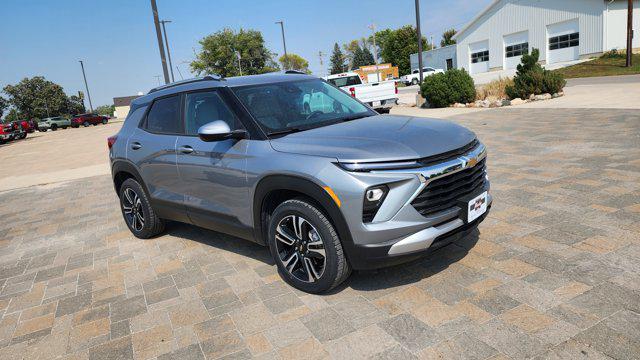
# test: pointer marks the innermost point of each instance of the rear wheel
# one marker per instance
(54, 127)
(414, 82)
(85, 124)
(104, 121)
(306, 247)
(136, 209)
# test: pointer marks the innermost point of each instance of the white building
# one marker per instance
(563, 31)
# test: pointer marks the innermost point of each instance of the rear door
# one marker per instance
(212, 174)
(152, 148)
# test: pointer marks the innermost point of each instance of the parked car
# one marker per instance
(378, 95)
(6, 133)
(53, 123)
(329, 191)
(414, 77)
(30, 126)
(88, 119)
(15, 131)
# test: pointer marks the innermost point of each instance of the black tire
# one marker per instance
(335, 269)
(85, 124)
(414, 82)
(42, 130)
(64, 127)
(104, 121)
(152, 225)
(54, 127)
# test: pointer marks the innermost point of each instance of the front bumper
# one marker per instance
(413, 246)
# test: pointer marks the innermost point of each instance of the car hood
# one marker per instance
(377, 138)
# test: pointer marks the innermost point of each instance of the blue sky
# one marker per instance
(116, 38)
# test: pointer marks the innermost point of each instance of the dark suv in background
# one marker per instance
(88, 119)
(328, 188)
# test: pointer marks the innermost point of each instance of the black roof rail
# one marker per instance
(188, 81)
(295, 72)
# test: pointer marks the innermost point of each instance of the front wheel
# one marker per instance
(140, 217)
(306, 247)
(85, 124)
(414, 82)
(104, 121)
(54, 127)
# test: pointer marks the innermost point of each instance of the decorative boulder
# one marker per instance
(517, 101)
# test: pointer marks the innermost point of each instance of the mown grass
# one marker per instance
(603, 66)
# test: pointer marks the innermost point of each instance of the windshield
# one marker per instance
(299, 105)
(346, 81)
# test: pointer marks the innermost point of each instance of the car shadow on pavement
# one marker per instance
(427, 265)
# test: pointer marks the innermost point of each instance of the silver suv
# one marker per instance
(293, 163)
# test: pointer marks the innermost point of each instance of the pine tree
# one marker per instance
(337, 60)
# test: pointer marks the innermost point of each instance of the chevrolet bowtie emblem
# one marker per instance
(472, 162)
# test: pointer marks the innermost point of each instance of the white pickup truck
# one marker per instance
(378, 95)
(414, 77)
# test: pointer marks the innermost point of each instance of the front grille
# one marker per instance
(453, 154)
(441, 193)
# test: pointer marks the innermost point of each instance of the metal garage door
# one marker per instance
(479, 57)
(563, 41)
(515, 45)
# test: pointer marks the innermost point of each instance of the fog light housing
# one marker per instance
(373, 199)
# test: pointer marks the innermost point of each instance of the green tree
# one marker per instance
(219, 54)
(75, 105)
(37, 98)
(4, 104)
(361, 57)
(350, 49)
(381, 39)
(447, 38)
(106, 110)
(337, 60)
(13, 115)
(294, 62)
(399, 45)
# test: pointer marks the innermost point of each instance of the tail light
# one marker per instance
(111, 140)
(352, 91)
(396, 84)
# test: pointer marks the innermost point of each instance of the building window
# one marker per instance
(480, 56)
(564, 41)
(517, 50)
(449, 64)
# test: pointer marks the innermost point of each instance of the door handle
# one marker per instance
(186, 149)
(136, 145)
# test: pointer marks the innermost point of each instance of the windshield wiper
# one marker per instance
(354, 117)
(285, 131)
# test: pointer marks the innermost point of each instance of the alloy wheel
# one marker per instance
(132, 208)
(300, 248)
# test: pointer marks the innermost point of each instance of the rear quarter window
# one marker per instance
(164, 116)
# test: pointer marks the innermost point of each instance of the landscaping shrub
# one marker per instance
(494, 90)
(613, 54)
(531, 78)
(452, 86)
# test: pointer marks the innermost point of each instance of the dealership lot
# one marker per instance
(553, 272)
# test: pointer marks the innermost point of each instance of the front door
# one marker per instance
(152, 147)
(212, 173)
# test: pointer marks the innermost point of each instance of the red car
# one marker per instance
(28, 126)
(88, 119)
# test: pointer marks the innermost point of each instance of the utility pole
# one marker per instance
(320, 55)
(419, 39)
(166, 41)
(239, 63)
(375, 50)
(629, 33)
(432, 45)
(165, 71)
(86, 86)
(284, 43)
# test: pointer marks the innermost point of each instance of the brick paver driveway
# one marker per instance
(553, 272)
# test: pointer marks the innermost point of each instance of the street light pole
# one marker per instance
(165, 71)
(86, 86)
(166, 41)
(284, 43)
(239, 63)
(629, 33)
(419, 39)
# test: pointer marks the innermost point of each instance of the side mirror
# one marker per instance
(219, 130)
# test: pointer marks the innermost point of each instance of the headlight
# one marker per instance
(373, 199)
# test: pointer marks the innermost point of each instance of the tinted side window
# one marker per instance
(164, 116)
(205, 107)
